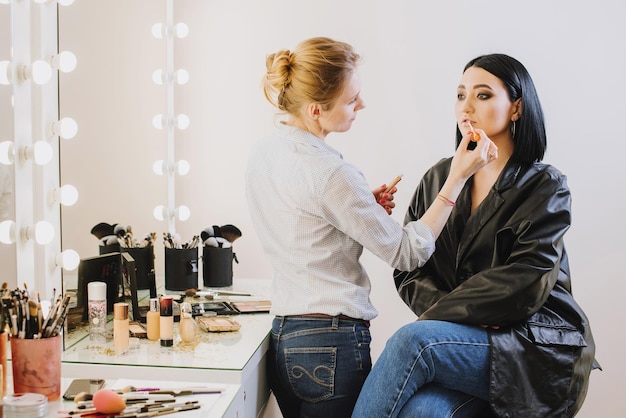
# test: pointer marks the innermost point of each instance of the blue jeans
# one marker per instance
(429, 369)
(317, 365)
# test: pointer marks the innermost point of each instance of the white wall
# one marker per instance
(414, 52)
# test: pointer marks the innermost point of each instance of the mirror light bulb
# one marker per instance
(159, 167)
(158, 30)
(64, 61)
(66, 195)
(7, 153)
(181, 76)
(183, 167)
(181, 30)
(5, 72)
(68, 259)
(7, 232)
(41, 152)
(42, 233)
(182, 121)
(40, 72)
(66, 128)
(160, 212)
(158, 121)
(158, 76)
(183, 212)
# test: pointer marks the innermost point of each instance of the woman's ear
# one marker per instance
(313, 111)
(517, 110)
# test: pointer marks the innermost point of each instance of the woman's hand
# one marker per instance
(384, 198)
(467, 162)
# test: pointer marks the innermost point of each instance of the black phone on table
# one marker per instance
(77, 386)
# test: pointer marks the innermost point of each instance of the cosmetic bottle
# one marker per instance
(153, 320)
(166, 322)
(97, 310)
(120, 327)
(186, 326)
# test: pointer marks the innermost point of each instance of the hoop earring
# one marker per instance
(513, 130)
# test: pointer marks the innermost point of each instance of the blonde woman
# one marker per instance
(314, 213)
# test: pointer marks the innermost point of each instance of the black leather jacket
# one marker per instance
(506, 265)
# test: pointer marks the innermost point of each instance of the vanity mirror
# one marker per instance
(7, 198)
(29, 153)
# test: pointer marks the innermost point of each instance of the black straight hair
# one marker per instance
(530, 131)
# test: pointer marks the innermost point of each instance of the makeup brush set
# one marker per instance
(119, 238)
(181, 260)
(25, 317)
(108, 234)
(218, 255)
(220, 236)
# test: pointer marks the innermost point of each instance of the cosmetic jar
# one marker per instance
(25, 405)
(97, 307)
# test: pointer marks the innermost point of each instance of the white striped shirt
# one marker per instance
(313, 213)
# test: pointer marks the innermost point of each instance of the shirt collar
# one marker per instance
(294, 134)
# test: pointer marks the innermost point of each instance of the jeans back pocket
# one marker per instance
(312, 371)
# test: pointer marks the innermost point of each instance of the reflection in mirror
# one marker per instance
(112, 94)
(8, 271)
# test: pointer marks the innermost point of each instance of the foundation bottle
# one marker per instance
(186, 326)
(153, 320)
(120, 326)
(166, 322)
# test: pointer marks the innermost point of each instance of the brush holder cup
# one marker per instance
(181, 268)
(36, 364)
(111, 248)
(217, 266)
(144, 265)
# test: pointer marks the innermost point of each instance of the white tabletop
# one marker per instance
(211, 405)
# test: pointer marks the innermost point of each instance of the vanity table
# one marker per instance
(232, 358)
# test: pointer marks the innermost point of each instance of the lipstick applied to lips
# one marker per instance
(475, 135)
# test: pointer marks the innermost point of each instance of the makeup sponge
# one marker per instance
(108, 402)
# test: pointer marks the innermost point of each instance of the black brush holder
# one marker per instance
(111, 248)
(181, 268)
(217, 266)
(144, 264)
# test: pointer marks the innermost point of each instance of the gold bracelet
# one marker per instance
(445, 200)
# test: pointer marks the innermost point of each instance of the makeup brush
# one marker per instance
(33, 327)
(101, 230)
(119, 230)
(230, 232)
